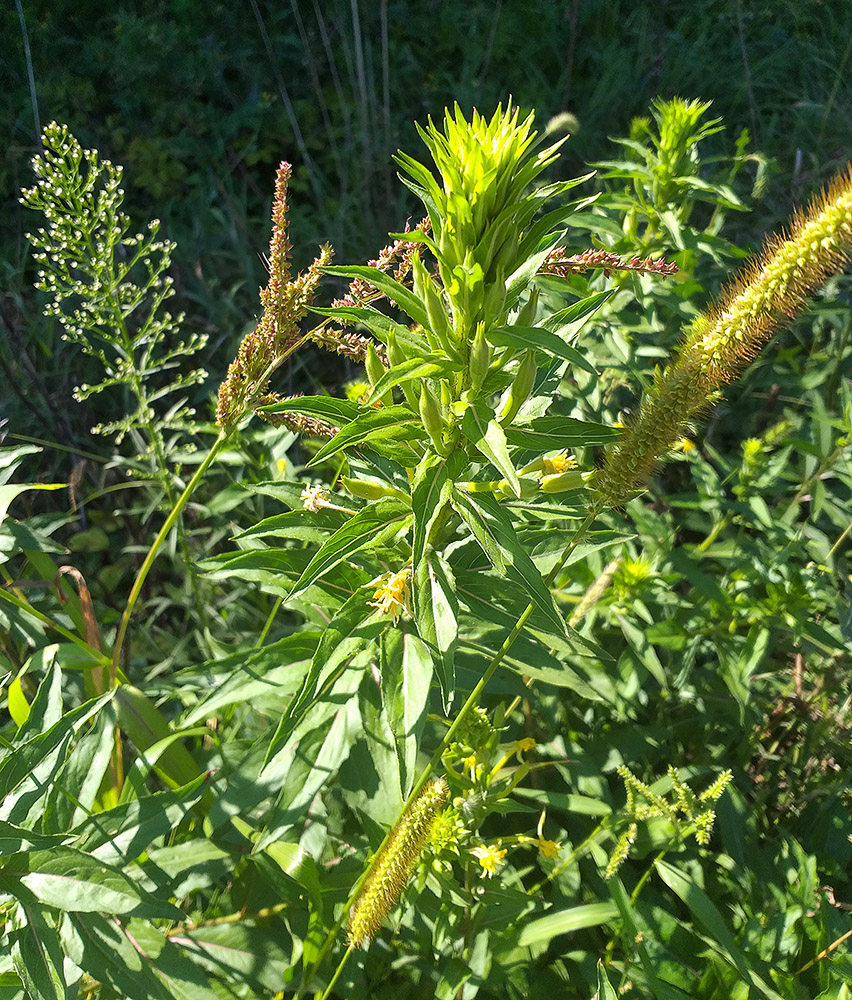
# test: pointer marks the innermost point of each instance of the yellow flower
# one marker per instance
(684, 445)
(561, 463)
(527, 743)
(548, 848)
(489, 858)
(470, 763)
(391, 596)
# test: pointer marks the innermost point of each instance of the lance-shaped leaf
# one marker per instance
(350, 628)
(430, 493)
(536, 338)
(397, 293)
(427, 366)
(406, 676)
(483, 431)
(328, 408)
(372, 525)
(68, 879)
(493, 529)
(705, 912)
(567, 322)
(386, 422)
(17, 765)
(436, 611)
(549, 433)
(376, 322)
(37, 954)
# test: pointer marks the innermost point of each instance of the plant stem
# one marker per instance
(155, 548)
(327, 991)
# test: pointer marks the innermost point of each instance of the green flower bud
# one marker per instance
(368, 489)
(430, 414)
(527, 312)
(374, 366)
(563, 481)
(520, 389)
(480, 358)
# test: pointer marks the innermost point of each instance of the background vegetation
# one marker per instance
(722, 595)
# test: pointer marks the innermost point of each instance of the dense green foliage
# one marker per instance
(232, 656)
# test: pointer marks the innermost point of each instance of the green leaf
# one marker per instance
(77, 788)
(605, 990)
(12, 490)
(516, 283)
(428, 366)
(46, 708)
(121, 834)
(406, 676)
(576, 918)
(276, 671)
(135, 782)
(386, 421)
(255, 956)
(706, 913)
(645, 653)
(146, 726)
(402, 296)
(308, 763)
(298, 865)
(69, 880)
(551, 432)
(372, 525)
(328, 408)
(493, 529)
(431, 488)
(106, 951)
(17, 766)
(15, 838)
(436, 611)
(376, 322)
(341, 638)
(536, 338)
(37, 955)
(305, 525)
(482, 430)
(567, 322)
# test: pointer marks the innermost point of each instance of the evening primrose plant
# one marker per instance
(443, 500)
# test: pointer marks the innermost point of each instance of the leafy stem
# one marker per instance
(471, 703)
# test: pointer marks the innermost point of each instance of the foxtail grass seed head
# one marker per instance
(722, 341)
(395, 864)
